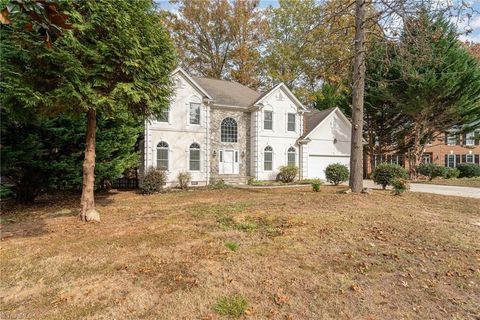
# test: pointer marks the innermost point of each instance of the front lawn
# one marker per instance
(249, 253)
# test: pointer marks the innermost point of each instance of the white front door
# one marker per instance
(229, 162)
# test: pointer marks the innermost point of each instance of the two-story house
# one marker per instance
(218, 129)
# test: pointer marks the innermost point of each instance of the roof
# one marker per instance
(313, 119)
(228, 93)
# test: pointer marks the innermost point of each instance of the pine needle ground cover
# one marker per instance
(299, 255)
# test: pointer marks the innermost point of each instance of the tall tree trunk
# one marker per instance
(356, 150)
(88, 212)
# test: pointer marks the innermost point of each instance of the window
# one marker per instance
(469, 158)
(451, 139)
(291, 122)
(229, 130)
(162, 155)
(470, 139)
(195, 157)
(164, 115)
(268, 159)
(268, 120)
(451, 161)
(194, 113)
(426, 158)
(291, 157)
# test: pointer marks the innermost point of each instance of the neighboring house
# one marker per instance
(449, 149)
(221, 130)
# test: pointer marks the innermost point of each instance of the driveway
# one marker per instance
(434, 188)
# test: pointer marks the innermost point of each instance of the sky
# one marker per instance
(473, 24)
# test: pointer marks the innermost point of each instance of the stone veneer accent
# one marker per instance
(243, 140)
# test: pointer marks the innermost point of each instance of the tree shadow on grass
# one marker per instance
(23, 221)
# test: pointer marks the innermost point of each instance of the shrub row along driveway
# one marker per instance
(270, 253)
(469, 192)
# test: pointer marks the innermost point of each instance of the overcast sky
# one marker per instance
(474, 23)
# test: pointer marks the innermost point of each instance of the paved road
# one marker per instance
(435, 188)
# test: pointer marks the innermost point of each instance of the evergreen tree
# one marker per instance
(116, 61)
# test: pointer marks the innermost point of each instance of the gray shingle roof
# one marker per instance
(227, 92)
(313, 118)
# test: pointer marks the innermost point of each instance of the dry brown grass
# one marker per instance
(300, 255)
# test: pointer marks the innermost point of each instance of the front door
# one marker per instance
(228, 162)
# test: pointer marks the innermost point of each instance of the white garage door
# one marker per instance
(317, 164)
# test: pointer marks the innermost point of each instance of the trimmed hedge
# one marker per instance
(287, 174)
(431, 170)
(153, 181)
(337, 173)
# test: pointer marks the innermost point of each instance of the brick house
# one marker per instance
(448, 149)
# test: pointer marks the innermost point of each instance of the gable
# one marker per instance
(277, 94)
(328, 124)
(182, 79)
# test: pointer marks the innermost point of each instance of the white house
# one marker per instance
(217, 129)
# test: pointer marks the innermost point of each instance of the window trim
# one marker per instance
(194, 147)
(165, 147)
(233, 129)
(472, 133)
(451, 135)
(454, 160)
(290, 152)
(264, 119)
(199, 105)
(294, 122)
(472, 156)
(265, 152)
(167, 110)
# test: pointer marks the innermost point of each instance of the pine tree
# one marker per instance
(115, 61)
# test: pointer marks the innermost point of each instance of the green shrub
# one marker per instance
(468, 170)
(5, 192)
(184, 179)
(219, 184)
(384, 173)
(153, 181)
(287, 174)
(451, 173)
(337, 173)
(233, 306)
(399, 186)
(431, 170)
(316, 184)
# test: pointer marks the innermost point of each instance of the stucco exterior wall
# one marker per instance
(279, 138)
(180, 134)
(331, 138)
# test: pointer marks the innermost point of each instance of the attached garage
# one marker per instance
(326, 140)
(318, 163)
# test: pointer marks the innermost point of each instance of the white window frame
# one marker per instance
(228, 138)
(472, 156)
(166, 112)
(294, 122)
(470, 136)
(198, 106)
(426, 156)
(265, 119)
(194, 148)
(289, 153)
(454, 156)
(167, 149)
(265, 152)
(451, 136)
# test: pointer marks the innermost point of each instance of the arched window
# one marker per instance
(195, 157)
(162, 155)
(291, 157)
(229, 130)
(268, 158)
